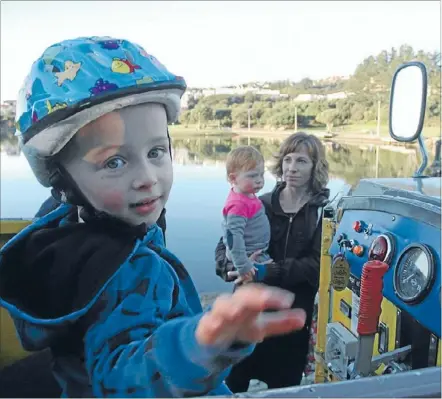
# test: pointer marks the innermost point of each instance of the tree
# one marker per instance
(330, 118)
(240, 116)
(249, 97)
(236, 100)
(205, 112)
(224, 117)
(382, 60)
(191, 102)
(369, 115)
(185, 117)
(222, 113)
(313, 109)
(201, 114)
(406, 52)
(357, 112)
(305, 84)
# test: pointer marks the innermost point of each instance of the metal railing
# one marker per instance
(423, 383)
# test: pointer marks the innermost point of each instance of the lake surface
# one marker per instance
(200, 189)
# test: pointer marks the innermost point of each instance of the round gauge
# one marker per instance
(414, 273)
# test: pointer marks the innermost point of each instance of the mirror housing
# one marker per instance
(408, 100)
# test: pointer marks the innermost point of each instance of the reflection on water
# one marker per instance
(347, 162)
(200, 189)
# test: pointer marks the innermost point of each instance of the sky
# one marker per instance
(216, 43)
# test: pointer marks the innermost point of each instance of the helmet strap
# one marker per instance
(66, 190)
(170, 143)
(64, 187)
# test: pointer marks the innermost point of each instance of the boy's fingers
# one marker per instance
(270, 324)
(281, 322)
(223, 321)
(242, 311)
(257, 298)
(209, 329)
(228, 311)
(250, 300)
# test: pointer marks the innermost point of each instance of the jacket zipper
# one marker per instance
(287, 236)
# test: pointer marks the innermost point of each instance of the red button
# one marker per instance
(357, 226)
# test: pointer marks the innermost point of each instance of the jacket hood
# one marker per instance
(53, 271)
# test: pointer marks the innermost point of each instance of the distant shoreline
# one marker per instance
(349, 137)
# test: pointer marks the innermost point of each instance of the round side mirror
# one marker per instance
(408, 101)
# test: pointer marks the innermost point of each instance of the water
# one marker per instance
(200, 189)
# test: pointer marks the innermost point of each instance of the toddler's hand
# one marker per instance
(246, 278)
(240, 317)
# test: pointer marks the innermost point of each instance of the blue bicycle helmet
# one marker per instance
(79, 80)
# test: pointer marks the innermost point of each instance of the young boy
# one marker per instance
(92, 279)
(246, 228)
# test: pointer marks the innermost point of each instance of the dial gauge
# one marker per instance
(414, 273)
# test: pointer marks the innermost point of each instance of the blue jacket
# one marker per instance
(117, 309)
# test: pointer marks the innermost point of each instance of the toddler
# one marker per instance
(246, 228)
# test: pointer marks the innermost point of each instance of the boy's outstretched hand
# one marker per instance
(239, 317)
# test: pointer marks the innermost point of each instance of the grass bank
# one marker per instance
(366, 133)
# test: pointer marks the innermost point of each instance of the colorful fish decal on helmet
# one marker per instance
(123, 66)
(146, 79)
(102, 86)
(70, 72)
(110, 44)
(55, 107)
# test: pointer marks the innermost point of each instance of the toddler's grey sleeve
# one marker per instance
(235, 226)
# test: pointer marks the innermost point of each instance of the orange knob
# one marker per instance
(358, 250)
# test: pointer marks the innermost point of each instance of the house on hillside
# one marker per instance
(240, 90)
(338, 96)
(317, 97)
(7, 109)
(309, 97)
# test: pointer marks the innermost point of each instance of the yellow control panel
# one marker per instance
(343, 311)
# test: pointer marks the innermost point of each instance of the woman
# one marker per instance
(294, 208)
